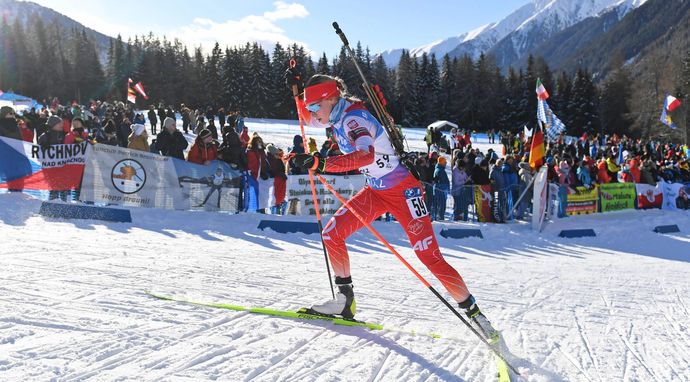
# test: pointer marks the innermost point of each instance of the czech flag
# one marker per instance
(25, 166)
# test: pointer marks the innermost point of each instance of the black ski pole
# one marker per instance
(295, 93)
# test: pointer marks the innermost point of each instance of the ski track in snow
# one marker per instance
(73, 305)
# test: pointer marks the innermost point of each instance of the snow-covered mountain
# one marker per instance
(551, 17)
(518, 32)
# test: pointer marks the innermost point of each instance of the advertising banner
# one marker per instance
(674, 193)
(583, 201)
(616, 196)
(299, 197)
(126, 177)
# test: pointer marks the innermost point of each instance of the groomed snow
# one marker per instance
(73, 307)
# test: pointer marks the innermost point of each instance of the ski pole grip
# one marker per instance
(340, 33)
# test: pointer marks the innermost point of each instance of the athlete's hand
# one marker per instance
(308, 162)
(293, 77)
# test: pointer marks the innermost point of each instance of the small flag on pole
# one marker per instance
(671, 103)
(554, 126)
(536, 152)
(542, 94)
(665, 117)
(131, 95)
(139, 87)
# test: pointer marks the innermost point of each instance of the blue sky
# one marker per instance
(379, 24)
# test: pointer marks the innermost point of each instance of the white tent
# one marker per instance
(441, 125)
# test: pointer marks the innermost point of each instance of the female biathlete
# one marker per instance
(391, 188)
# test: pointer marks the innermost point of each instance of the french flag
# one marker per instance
(672, 103)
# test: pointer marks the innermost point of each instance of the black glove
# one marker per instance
(293, 77)
(308, 162)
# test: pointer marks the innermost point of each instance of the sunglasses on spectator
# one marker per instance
(314, 107)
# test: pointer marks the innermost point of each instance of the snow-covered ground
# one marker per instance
(73, 307)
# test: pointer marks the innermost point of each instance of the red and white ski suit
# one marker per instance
(391, 188)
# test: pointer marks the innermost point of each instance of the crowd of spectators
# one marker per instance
(571, 162)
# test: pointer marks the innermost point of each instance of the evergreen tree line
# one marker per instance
(44, 62)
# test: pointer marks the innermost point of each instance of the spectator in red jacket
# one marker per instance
(257, 162)
(77, 135)
(204, 149)
(27, 134)
(244, 137)
(277, 169)
(602, 173)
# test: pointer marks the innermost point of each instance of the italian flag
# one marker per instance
(672, 103)
(542, 94)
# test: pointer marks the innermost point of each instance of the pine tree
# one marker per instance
(583, 105)
(615, 113)
(403, 88)
(280, 97)
(447, 88)
(463, 102)
(322, 67)
(685, 93)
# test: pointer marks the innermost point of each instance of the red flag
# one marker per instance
(536, 153)
(139, 87)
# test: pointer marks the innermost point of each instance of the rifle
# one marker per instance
(378, 102)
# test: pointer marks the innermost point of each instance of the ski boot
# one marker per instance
(344, 303)
(479, 321)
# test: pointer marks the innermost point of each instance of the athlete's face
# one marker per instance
(324, 109)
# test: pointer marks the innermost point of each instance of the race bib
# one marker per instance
(415, 203)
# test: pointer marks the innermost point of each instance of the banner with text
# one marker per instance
(128, 177)
(299, 195)
(583, 201)
(32, 167)
(616, 196)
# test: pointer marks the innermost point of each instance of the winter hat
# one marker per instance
(205, 133)
(5, 110)
(168, 122)
(524, 166)
(442, 161)
(53, 120)
(138, 129)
